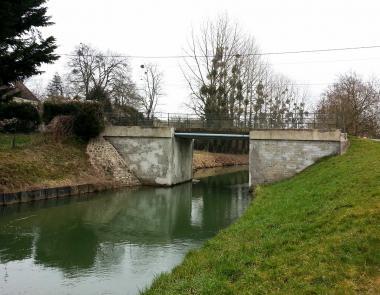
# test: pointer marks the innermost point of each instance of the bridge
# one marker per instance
(240, 123)
(161, 153)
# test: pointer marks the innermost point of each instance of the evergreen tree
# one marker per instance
(22, 49)
(55, 87)
(97, 93)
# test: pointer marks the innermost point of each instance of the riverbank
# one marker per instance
(316, 233)
(203, 160)
(38, 162)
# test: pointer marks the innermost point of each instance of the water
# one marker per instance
(114, 242)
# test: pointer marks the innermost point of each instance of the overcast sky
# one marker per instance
(162, 27)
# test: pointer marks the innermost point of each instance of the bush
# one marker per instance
(89, 122)
(125, 115)
(88, 116)
(26, 114)
(53, 109)
(61, 127)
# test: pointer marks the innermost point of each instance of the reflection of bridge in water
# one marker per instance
(115, 242)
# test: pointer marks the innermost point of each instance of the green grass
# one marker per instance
(317, 233)
(39, 161)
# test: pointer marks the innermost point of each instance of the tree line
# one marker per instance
(106, 77)
(229, 81)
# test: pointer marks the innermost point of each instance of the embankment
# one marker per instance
(39, 162)
(39, 167)
(212, 160)
(316, 233)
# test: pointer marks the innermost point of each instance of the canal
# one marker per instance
(113, 242)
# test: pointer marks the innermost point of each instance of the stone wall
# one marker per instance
(54, 193)
(107, 162)
(280, 154)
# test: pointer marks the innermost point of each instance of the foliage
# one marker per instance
(97, 93)
(26, 114)
(52, 109)
(22, 49)
(89, 122)
(316, 233)
(61, 127)
(55, 87)
(88, 116)
(231, 84)
(126, 115)
(354, 103)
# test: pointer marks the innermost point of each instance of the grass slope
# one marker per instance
(39, 161)
(316, 233)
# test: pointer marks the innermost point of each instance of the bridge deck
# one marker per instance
(199, 135)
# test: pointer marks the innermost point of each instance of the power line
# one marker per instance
(237, 55)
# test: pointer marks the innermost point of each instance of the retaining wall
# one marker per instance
(154, 155)
(279, 154)
(53, 193)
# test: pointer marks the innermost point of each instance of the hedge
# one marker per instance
(51, 110)
(88, 116)
(26, 114)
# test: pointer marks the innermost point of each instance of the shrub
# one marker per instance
(61, 127)
(88, 117)
(125, 115)
(89, 121)
(53, 109)
(26, 114)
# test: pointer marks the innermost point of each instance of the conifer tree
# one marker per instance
(22, 48)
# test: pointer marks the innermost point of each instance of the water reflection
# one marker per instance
(114, 242)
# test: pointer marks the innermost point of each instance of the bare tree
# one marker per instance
(214, 52)
(83, 66)
(230, 81)
(91, 68)
(152, 89)
(355, 103)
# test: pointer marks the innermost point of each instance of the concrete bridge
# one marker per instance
(163, 156)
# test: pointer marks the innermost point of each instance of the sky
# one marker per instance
(163, 27)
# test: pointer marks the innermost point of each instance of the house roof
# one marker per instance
(25, 93)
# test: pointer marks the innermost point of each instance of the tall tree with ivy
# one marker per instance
(22, 48)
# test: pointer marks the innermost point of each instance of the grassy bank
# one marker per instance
(38, 161)
(317, 233)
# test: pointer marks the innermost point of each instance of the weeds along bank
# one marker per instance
(316, 233)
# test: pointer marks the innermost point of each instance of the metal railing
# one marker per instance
(259, 121)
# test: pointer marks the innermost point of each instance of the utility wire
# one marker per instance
(237, 55)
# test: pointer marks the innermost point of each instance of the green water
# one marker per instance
(114, 242)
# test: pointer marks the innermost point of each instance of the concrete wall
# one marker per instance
(154, 155)
(279, 154)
